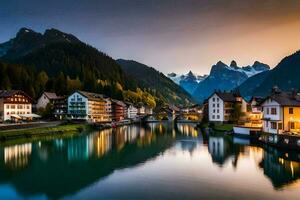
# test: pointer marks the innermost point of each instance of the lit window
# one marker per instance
(273, 125)
(292, 125)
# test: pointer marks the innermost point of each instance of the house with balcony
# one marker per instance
(132, 111)
(15, 105)
(281, 112)
(118, 110)
(221, 106)
(88, 106)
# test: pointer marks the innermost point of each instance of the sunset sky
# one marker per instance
(170, 35)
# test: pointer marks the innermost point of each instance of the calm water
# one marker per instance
(158, 161)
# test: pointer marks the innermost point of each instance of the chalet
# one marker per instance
(281, 112)
(45, 98)
(221, 106)
(88, 106)
(15, 105)
(118, 110)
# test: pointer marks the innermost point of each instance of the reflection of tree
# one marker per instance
(75, 163)
(280, 167)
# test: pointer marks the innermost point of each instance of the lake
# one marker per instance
(154, 161)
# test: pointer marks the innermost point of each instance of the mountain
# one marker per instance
(60, 62)
(285, 75)
(188, 81)
(151, 79)
(28, 40)
(224, 77)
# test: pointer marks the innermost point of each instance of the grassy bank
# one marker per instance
(223, 127)
(68, 129)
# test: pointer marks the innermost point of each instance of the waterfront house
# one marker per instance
(141, 110)
(254, 112)
(45, 98)
(281, 112)
(60, 107)
(88, 106)
(15, 105)
(131, 111)
(118, 110)
(221, 106)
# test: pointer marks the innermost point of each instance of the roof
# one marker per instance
(258, 99)
(92, 96)
(121, 103)
(51, 95)
(226, 96)
(285, 98)
(9, 93)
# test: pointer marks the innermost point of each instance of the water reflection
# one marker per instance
(17, 156)
(61, 167)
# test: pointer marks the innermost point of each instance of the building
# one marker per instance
(15, 105)
(131, 111)
(221, 106)
(281, 112)
(60, 107)
(45, 98)
(254, 112)
(118, 110)
(88, 106)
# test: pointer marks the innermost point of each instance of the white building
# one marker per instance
(46, 97)
(88, 106)
(272, 114)
(221, 104)
(15, 105)
(132, 111)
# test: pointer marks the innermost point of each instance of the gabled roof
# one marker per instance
(258, 99)
(121, 103)
(51, 95)
(9, 93)
(285, 98)
(92, 96)
(226, 96)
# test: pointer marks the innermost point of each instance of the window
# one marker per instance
(12, 106)
(217, 99)
(218, 105)
(279, 126)
(291, 111)
(218, 116)
(268, 112)
(7, 106)
(214, 99)
(217, 111)
(213, 117)
(292, 125)
(273, 111)
(214, 105)
(273, 125)
(214, 111)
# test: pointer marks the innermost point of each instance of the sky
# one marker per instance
(169, 35)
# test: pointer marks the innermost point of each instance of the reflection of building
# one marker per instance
(221, 149)
(279, 168)
(80, 148)
(17, 156)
